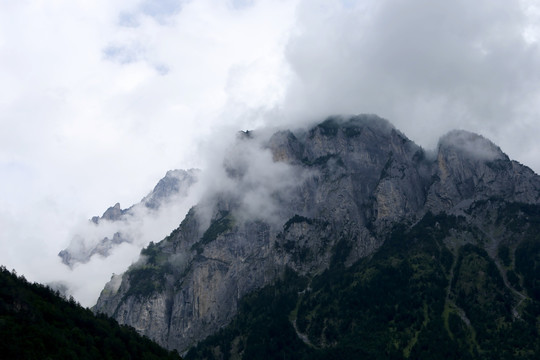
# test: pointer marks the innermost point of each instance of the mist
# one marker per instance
(241, 170)
(472, 145)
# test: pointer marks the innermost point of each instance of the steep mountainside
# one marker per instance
(431, 291)
(36, 323)
(346, 233)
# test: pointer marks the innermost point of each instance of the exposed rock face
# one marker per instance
(114, 213)
(175, 183)
(354, 179)
(469, 167)
(173, 187)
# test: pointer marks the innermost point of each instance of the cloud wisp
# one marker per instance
(114, 240)
(242, 171)
(157, 214)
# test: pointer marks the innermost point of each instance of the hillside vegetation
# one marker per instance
(37, 323)
(430, 292)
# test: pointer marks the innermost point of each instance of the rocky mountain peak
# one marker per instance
(470, 145)
(470, 167)
(175, 183)
(102, 235)
(113, 213)
(324, 197)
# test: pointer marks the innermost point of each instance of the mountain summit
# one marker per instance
(346, 239)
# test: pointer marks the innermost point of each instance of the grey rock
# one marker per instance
(175, 182)
(83, 255)
(469, 168)
(113, 213)
(356, 178)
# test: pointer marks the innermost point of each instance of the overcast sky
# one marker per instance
(98, 99)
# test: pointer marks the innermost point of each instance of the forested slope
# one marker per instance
(37, 323)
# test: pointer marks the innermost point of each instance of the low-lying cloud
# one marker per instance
(243, 172)
(119, 235)
(472, 145)
(159, 211)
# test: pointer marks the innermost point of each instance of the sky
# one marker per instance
(98, 99)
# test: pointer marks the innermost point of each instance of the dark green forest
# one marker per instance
(37, 323)
(430, 292)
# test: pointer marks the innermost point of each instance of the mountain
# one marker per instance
(119, 224)
(36, 323)
(347, 240)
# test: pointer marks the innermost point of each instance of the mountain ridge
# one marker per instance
(342, 188)
(119, 223)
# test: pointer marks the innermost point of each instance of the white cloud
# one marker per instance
(98, 99)
(428, 67)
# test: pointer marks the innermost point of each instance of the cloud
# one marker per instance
(86, 91)
(242, 171)
(472, 146)
(154, 217)
(428, 67)
(98, 99)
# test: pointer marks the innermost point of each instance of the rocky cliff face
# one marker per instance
(340, 187)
